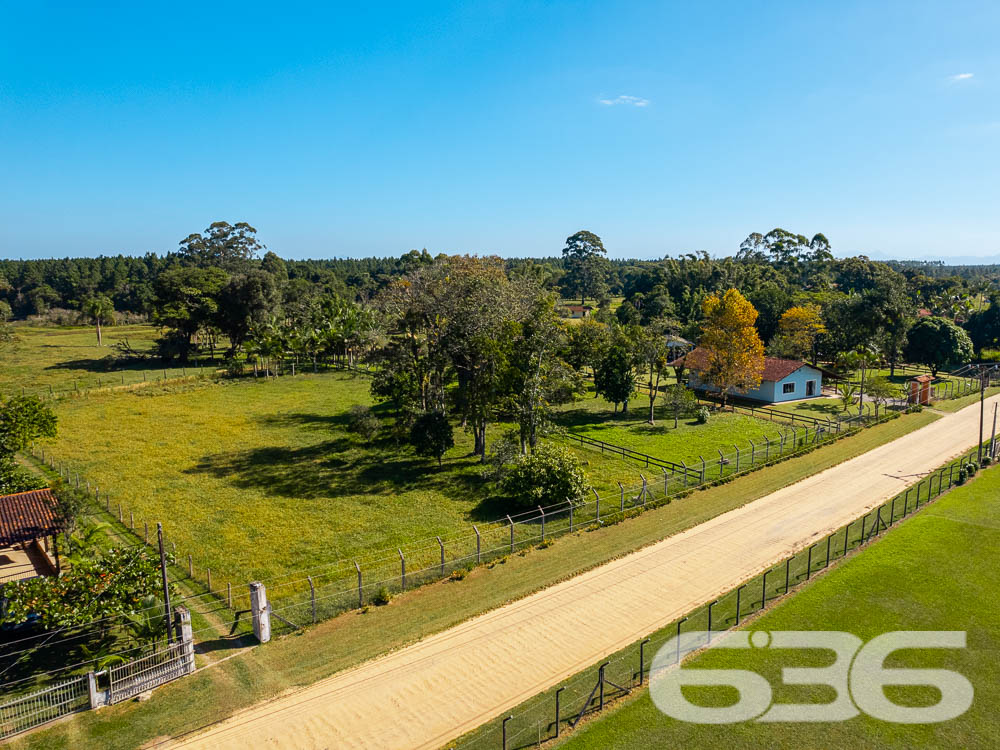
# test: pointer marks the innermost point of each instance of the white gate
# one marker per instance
(21, 714)
(138, 676)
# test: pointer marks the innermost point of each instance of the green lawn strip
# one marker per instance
(935, 572)
(321, 650)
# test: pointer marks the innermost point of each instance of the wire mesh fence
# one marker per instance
(547, 715)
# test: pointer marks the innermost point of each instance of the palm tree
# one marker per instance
(863, 358)
(100, 309)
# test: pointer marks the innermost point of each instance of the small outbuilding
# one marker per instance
(920, 389)
(29, 529)
(783, 379)
(579, 311)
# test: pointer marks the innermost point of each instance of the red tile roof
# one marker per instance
(775, 368)
(28, 515)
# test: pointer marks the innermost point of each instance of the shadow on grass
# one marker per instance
(338, 468)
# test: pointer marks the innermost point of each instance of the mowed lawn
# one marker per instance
(594, 418)
(936, 571)
(258, 479)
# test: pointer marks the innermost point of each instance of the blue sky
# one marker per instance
(346, 129)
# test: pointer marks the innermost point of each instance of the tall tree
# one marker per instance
(653, 354)
(735, 351)
(615, 376)
(679, 399)
(586, 266)
(938, 343)
(223, 245)
(100, 309)
(798, 330)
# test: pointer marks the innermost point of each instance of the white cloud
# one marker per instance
(635, 101)
(961, 76)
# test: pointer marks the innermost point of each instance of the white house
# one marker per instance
(783, 379)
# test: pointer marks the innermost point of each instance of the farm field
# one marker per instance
(64, 358)
(934, 572)
(257, 479)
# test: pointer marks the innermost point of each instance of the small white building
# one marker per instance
(783, 379)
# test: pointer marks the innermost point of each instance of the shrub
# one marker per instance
(432, 435)
(234, 367)
(549, 475)
(362, 421)
(382, 596)
(987, 461)
(702, 416)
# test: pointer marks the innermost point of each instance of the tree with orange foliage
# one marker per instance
(735, 351)
(797, 331)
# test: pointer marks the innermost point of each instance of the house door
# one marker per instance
(810, 388)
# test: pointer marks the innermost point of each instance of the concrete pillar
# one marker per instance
(185, 636)
(259, 612)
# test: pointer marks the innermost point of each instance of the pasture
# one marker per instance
(260, 478)
(934, 572)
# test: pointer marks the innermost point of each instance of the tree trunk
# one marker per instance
(100, 342)
(652, 396)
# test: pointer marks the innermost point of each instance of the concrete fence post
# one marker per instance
(361, 598)
(402, 569)
(185, 635)
(644, 488)
(542, 511)
(98, 698)
(479, 539)
(737, 458)
(259, 613)
(441, 545)
(598, 501)
(511, 522)
(622, 491)
(312, 597)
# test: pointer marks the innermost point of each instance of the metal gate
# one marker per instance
(44, 705)
(137, 676)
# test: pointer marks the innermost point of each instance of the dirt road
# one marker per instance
(424, 695)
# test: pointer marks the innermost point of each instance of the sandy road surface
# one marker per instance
(428, 693)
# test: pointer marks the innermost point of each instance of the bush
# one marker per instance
(382, 597)
(362, 421)
(432, 435)
(987, 461)
(234, 367)
(702, 416)
(550, 475)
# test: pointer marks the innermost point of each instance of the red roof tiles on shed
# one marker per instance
(28, 515)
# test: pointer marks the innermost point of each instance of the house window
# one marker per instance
(788, 388)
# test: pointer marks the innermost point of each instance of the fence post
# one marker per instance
(504, 738)
(97, 697)
(600, 678)
(685, 473)
(720, 462)
(710, 605)
(312, 597)
(737, 457)
(558, 694)
(622, 490)
(788, 571)
(361, 600)
(259, 613)
(479, 541)
(644, 485)
(190, 567)
(229, 594)
(767, 449)
(441, 545)
(679, 623)
(402, 567)
(185, 635)
(121, 519)
(598, 505)
(511, 522)
(809, 561)
(702, 481)
(753, 452)
(666, 477)
(571, 517)
(642, 658)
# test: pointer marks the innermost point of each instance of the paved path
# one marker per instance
(426, 694)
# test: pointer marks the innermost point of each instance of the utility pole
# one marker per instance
(993, 436)
(163, 575)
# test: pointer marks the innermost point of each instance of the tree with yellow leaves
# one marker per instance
(735, 360)
(797, 331)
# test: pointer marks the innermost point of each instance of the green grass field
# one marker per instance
(257, 479)
(594, 418)
(934, 572)
(65, 358)
(336, 644)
